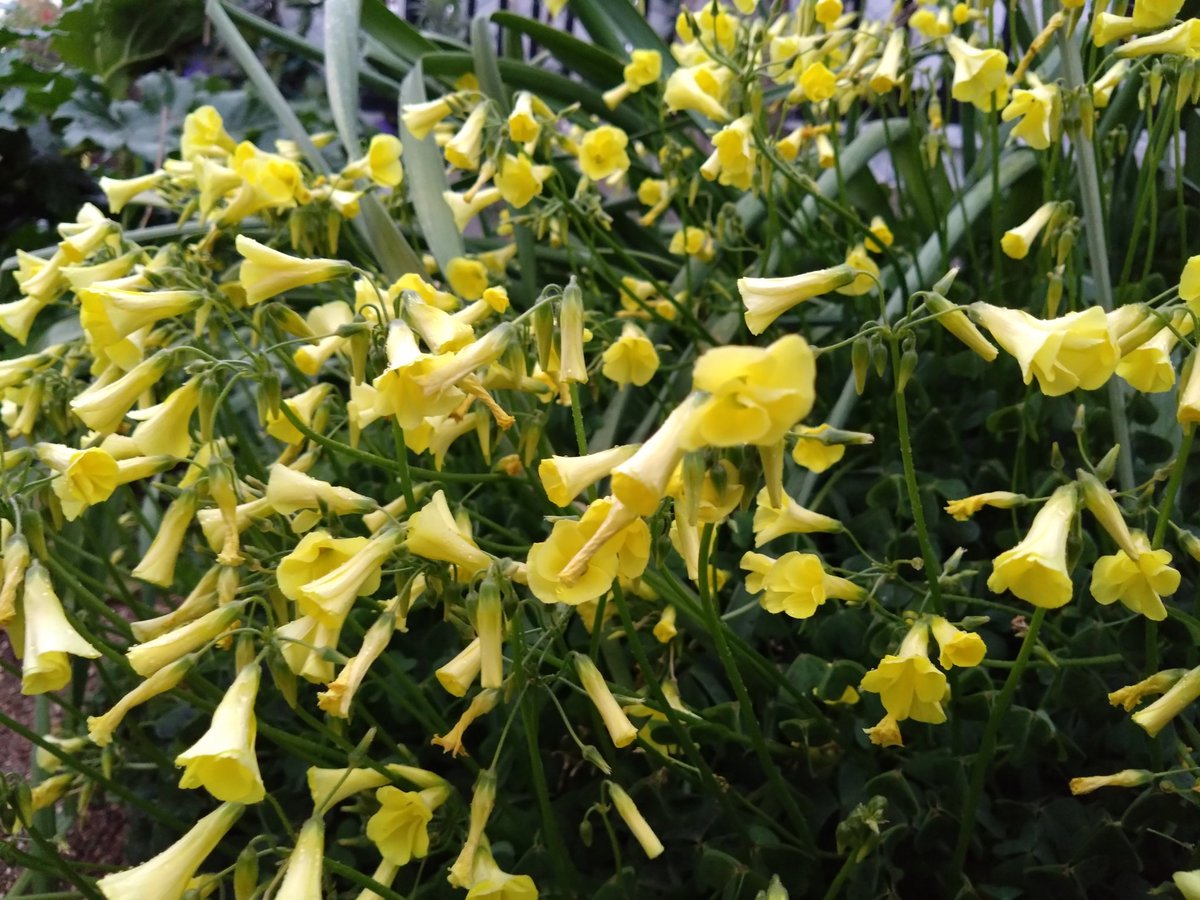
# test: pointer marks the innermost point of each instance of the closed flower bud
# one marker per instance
(147, 658)
(49, 637)
(620, 729)
(223, 761)
(266, 272)
(101, 728)
(158, 565)
(1155, 717)
(1017, 242)
(1124, 778)
(956, 322)
(1132, 695)
(168, 874)
(635, 821)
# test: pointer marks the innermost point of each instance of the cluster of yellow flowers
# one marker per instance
(340, 359)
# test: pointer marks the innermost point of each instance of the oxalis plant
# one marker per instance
(746, 467)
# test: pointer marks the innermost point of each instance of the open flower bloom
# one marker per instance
(1182, 40)
(164, 429)
(103, 405)
(434, 534)
(766, 299)
(306, 645)
(635, 821)
(1140, 582)
(580, 559)
(49, 637)
(955, 646)
(266, 272)
(421, 118)
(797, 583)
(101, 728)
(963, 509)
(620, 729)
(381, 163)
(640, 482)
(1036, 569)
(751, 395)
(701, 88)
(304, 407)
(887, 75)
(463, 150)
(1073, 351)
(223, 760)
(771, 522)
(602, 153)
(401, 392)
(1155, 717)
(490, 882)
(460, 673)
(400, 829)
(323, 321)
(109, 314)
(980, 75)
(85, 477)
(289, 491)
(1040, 112)
(631, 359)
(734, 159)
(523, 124)
(168, 874)
(465, 209)
(15, 564)
(813, 453)
(1017, 242)
(158, 565)
(565, 477)
(317, 554)
(908, 683)
(302, 878)
(330, 597)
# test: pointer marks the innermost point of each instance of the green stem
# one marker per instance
(1093, 216)
(932, 568)
(987, 747)
(577, 420)
(1176, 479)
(716, 628)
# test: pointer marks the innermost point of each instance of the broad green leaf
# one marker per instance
(588, 61)
(620, 28)
(425, 173)
(393, 33)
(341, 70)
(486, 69)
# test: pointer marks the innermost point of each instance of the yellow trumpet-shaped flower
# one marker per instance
(771, 522)
(766, 299)
(400, 829)
(323, 320)
(204, 134)
(450, 368)
(1107, 27)
(1139, 582)
(483, 800)
(148, 657)
(490, 882)
(519, 180)
(329, 787)
(523, 124)
(17, 317)
(400, 390)
(602, 153)
(813, 453)
(266, 272)
(580, 559)
(734, 158)
(1104, 509)
(631, 359)
(635, 821)
(101, 728)
(701, 88)
(1036, 569)
(963, 509)
(307, 643)
(1182, 40)
(1148, 367)
(304, 407)
(955, 646)
(1155, 717)
(330, 597)
(103, 404)
(620, 729)
(1103, 87)
(464, 149)
(644, 68)
(908, 684)
(15, 564)
(49, 637)
(109, 314)
(460, 673)
(167, 875)
(796, 583)
(1073, 351)
(885, 733)
(381, 163)
(465, 209)
(421, 118)
(302, 877)
(85, 477)
(434, 534)
(980, 75)
(694, 242)
(640, 482)
(1155, 13)
(164, 429)
(158, 565)
(751, 395)
(565, 477)
(886, 76)
(289, 491)
(1131, 695)
(468, 278)
(1040, 112)
(223, 761)
(956, 322)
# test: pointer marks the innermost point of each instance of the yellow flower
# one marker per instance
(1139, 583)
(434, 534)
(1124, 778)
(489, 881)
(17, 317)
(421, 118)
(519, 180)
(885, 733)
(148, 657)
(643, 69)
(867, 279)
(635, 821)
(1155, 13)
(700, 88)
(620, 729)
(1131, 695)
(818, 83)
(304, 407)
(828, 11)
(101, 728)
(664, 629)
(460, 673)
(751, 395)
(1182, 40)
(481, 704)
(734, 159)
(302, 878)
(565, 477)
(1188, 884)
(204, 135)
(1040, 110)
(289, 491)
(400, 829)
(886, 76)
(797, 583)
(103, 404)
(1155, 717)
(266, 272)
(329, 597)
(790, 517)
(766, 299)
(483, 800)
(1148, 367)
(963, 509)
(908, 684)
(631, 359)
(1036, 569)
(811, 452)
(602, 152)
(1073, 351)
(463, 150)
(580, 559)
(85, 477)
(339, 693)
(468, 278)
(693, 241)
(640, 482)
(49, 637)
(317, 554)
(956, 322)
(955, 646)
(523, 124)
(121, 191)
(158, 564)
(1103, 87)
(168, 874)
(163, 429)
(382, 162)
(223, 761)
(980, 75)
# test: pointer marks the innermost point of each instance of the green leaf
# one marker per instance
(393, 33)
(341, 70)
(586, 60)
(617, 26)
(486, 69)
(426, 177)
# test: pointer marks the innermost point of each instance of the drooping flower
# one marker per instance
(635, 821)
(223, 761)
(400, 829)
(49, 637)
(620, 729)
(631, 359)
(908, 683)
(266, 272)
(1036, 569)
(602, 153)
(580, 559)
(1040, 112)
(1138, 582)
(955, 646)
(700, 88)
(980, 74)
(302, 877)
(766, 299)
(434, 534)
(789, 517)
(1155, 717)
